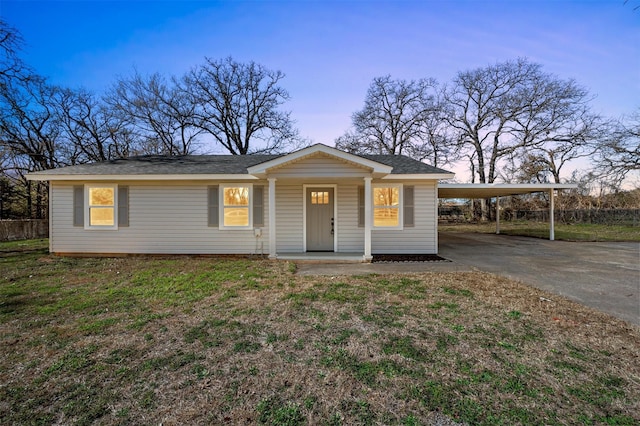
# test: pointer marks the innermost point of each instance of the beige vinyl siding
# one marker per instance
(350, 236)
(420, 238)
(171, 217)
(318, 166)
(289, 218)
(163, 218)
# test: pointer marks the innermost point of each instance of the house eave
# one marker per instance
(133, 177)
(420, 176)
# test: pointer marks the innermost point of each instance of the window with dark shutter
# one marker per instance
(409, 209)
(258, 205)
(123, 206)
(213, 206)
(78, 206)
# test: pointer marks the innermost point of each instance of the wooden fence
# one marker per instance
(11, 230)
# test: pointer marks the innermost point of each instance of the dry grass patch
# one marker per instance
(193, 340)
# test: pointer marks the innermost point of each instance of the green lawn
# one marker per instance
(192, 340)
(573, 232)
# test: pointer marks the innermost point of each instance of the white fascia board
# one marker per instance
(520, 186)
(260, 169)
(436, 176)
(488, 190)
(172, 177)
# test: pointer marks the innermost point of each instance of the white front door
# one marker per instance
(320, 220)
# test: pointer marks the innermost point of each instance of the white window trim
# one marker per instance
(221, 224)
(400, 225)
(87, 208)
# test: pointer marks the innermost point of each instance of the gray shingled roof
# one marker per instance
(214, 164)
(404, 165)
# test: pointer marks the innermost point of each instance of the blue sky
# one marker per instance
(331, 50)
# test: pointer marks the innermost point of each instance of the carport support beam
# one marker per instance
(497, 214)
(552, 232)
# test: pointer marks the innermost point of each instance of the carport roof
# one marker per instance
(489, 190)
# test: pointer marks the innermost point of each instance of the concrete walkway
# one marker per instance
(605, 276)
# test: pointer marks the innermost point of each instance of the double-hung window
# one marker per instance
(387, 202)
(100, 206)
(236, 206)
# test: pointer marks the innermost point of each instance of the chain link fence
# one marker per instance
(627, 217)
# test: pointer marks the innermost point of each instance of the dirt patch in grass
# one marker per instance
(229, 341)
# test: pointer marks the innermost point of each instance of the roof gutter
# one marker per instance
(155, 177)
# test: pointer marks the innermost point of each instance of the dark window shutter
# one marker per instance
(78, 206)
(361, 206)
(213, 206)
(123, 206)
(258, 205)
(409, 209)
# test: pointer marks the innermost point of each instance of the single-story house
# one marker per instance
(317, 199)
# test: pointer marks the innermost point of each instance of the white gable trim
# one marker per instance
(377, 169)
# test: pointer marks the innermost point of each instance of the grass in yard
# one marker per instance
(205, 340)
(567, 232)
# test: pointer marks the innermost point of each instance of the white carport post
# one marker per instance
(552, 232)
(497, 214)
(367, 219)
(272, 218)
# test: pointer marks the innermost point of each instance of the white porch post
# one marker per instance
(497, 214)
(272, 218)
(552, 231)
(367, 219)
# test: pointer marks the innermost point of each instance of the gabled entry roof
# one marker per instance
(377, 169)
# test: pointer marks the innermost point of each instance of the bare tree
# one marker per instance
(30, 130)
(437, 145)
(556, 127)
(399, 117)
(95, 131)
(618, 154)
(238, 104)
(483, 103)
(11, 65)
(29, 124)
(160, 114)
(525, 167)
(514, 109)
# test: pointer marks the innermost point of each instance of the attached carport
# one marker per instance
(497, 190)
